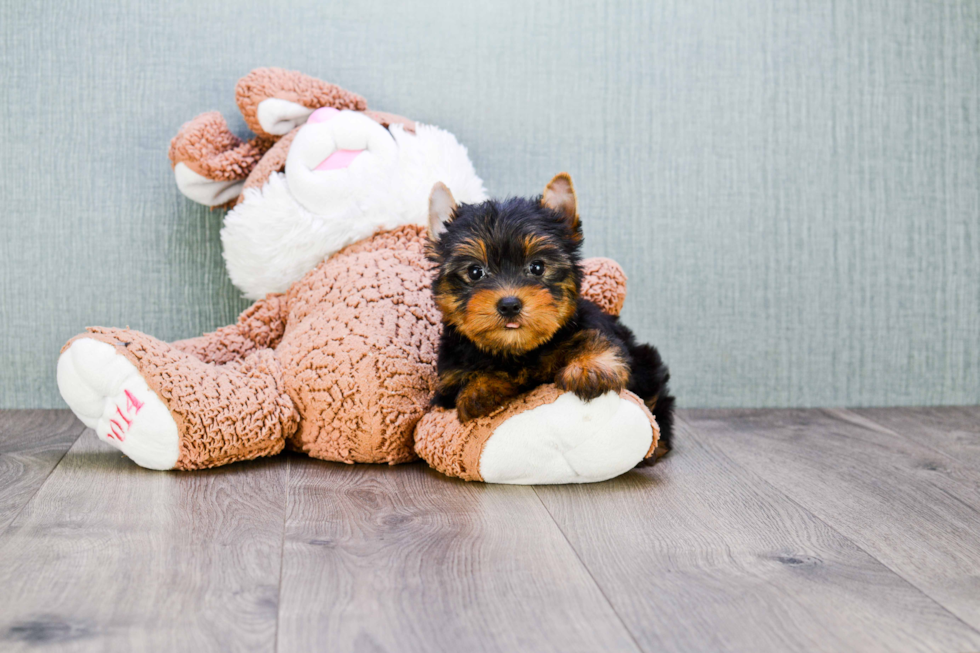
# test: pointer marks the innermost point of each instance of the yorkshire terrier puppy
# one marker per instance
(508, 282)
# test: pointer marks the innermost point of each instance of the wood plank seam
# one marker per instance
(282, 557)
(898, 574)
(216, 523)
(847, 415)
(382, 559)
(595, 582)
(13, 518)
(698, 555)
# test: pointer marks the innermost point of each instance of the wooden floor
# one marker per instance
(798, 530)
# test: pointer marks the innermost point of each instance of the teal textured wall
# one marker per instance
(793, 188)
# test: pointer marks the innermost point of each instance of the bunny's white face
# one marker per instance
(334, 155)
(345, 178)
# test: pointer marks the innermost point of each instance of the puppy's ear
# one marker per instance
(441, 207)
(559, 196)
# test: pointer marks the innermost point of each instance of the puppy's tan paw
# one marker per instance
(483, 395)
(591, 378)
(474, 405)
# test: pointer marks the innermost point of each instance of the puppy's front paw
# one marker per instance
(476, 403)
(483, 395)
(594, 378)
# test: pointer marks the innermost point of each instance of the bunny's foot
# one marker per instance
(545, 437)
(108, 394)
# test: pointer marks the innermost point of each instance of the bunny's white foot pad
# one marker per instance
(106, 391)
(568, 441)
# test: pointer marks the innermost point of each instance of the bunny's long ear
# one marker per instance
(210, 163)
(275, 101)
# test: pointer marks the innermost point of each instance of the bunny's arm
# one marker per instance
(604, 284)
(261, 326)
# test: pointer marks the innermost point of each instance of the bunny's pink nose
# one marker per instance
(323, 114)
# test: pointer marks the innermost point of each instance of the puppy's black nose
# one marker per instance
(509, 306)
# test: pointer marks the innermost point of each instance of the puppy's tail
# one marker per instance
(649, 383)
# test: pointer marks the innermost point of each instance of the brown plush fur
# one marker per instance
(341, 367)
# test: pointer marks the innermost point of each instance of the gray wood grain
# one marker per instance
(763, 531)
(31, 444)
(111, 557)
(914, 509)
(697, 554)
(404, 559)
(952, 430)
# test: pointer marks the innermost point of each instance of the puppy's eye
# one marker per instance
(536, 268)
(475, 272)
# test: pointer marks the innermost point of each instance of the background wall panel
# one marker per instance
(791, 187)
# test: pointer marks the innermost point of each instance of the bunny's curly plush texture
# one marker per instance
(207, 146)
(224, 413)
(341, 367)
(360, 350)
(604, 283)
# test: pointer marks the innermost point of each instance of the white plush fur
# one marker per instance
(275, 236)
(93, 379)
(568, 441)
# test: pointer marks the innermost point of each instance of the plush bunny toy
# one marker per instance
(336, 358)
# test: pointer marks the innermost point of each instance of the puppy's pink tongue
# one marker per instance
(513, 325)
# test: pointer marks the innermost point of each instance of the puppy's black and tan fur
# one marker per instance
(508, 283)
